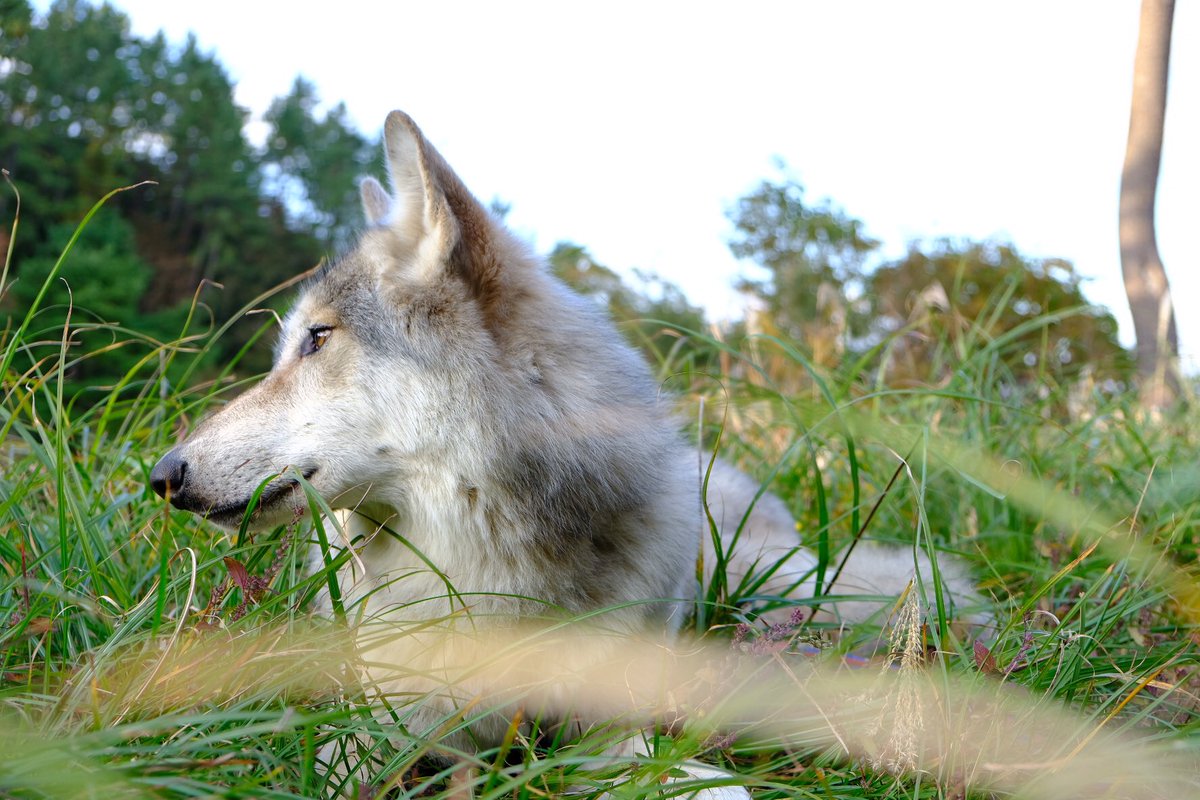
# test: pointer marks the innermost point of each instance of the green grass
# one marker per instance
(1078, 514)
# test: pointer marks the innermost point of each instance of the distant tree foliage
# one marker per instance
(827, 288)
(803, 247)
(95, 286)
(86, 106)
(966, 295)
(313, 162)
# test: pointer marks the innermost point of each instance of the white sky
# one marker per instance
(630, 127)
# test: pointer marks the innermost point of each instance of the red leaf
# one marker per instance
(984, 660)
(238, 573)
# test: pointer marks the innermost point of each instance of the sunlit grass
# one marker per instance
(139, 657)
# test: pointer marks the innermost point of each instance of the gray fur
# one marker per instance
(473, 403)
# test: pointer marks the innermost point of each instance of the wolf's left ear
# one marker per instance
(377, 203)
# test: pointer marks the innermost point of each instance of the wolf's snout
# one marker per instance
(166, 479)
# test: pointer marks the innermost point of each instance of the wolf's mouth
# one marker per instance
(272, 495)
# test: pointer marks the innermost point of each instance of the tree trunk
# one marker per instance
(1145, 279)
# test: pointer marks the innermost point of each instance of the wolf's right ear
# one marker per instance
(377, 203)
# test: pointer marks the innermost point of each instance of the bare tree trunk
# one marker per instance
(1145, 279)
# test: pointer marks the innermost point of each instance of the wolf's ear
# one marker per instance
(433, 212)
(419, 212)
(377, 203)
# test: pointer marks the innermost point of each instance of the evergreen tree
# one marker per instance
(88, 300)
(313, 164)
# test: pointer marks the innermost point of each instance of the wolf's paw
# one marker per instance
(697, 772)
(679, 780)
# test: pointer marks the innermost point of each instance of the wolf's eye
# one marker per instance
(317, 336)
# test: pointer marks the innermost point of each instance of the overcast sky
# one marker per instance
(631, 127)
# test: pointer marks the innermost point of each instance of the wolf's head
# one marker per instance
(435, 355)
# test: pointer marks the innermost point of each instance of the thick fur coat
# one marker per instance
(438, 382)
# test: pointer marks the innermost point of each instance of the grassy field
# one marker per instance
(145, 653)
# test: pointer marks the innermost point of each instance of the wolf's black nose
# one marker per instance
(167, 475)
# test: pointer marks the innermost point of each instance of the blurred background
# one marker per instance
(840, 174)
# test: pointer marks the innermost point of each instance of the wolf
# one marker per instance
(438, 382)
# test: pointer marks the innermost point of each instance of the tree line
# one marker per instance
(87, 106)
